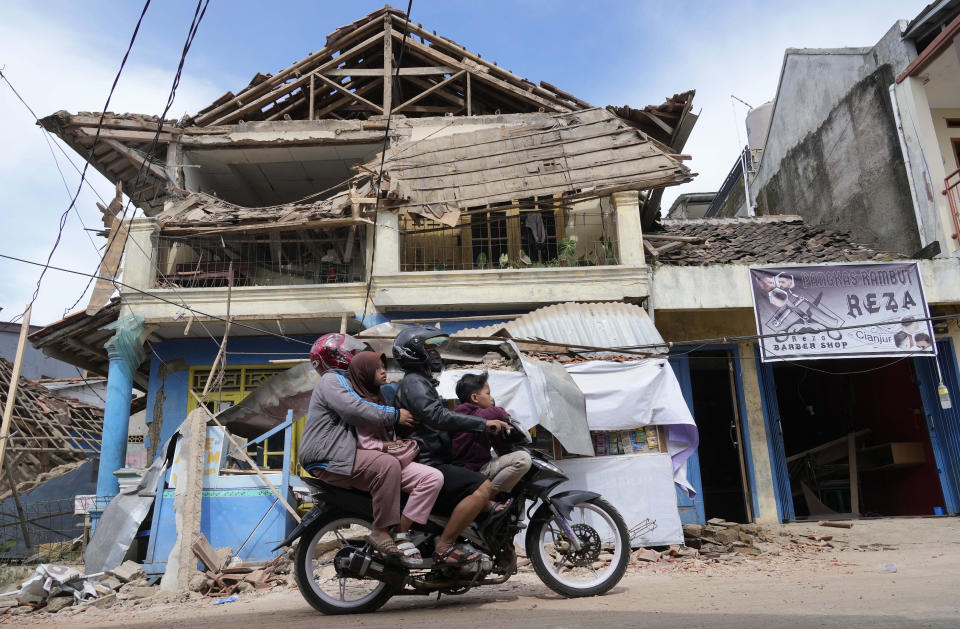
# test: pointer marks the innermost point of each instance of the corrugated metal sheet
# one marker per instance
(612, 325)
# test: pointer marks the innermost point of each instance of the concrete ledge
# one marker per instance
(251, 302)
(508, 288)
(723, 286)
(701, 287)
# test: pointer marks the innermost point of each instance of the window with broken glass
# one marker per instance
(530, 233)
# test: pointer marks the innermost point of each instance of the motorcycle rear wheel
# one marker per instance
(316, 576)
(601, 531)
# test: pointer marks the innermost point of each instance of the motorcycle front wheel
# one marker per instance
(317, 577)
(599, 563)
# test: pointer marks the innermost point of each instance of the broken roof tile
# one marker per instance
(759, 240)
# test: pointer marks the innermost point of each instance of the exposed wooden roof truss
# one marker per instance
(355, 76)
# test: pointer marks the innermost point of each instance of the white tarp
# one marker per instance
(619, 396)
(639, 485)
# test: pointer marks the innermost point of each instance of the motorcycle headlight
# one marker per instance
(550, 466)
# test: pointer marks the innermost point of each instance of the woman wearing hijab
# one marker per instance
(421, 483)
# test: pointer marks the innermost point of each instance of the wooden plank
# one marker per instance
(483, 77)
(14, 382)
(469, 97)
(282, 90)
(455, 48)
(313, 83)
(277, 79)
(387, 64)
(426, 93)
(322, 223)
(138, 160)
(125, 135)
(246, 458)
(343, 100)
(413, 71)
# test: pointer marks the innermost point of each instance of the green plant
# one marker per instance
(609, 251)
(481, 260)
(504, 260)
(567, 248)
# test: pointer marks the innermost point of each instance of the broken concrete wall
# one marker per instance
(848, 173)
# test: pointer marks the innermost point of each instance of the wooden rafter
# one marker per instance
(429, 60)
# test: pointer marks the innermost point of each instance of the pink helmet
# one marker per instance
(335, 351)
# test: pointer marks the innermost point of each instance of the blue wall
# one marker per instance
(198, 352)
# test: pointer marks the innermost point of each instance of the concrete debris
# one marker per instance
(133, 592)
(646, 554)
(57, 603)
(103, 602)
(128, 571)
(110, 582)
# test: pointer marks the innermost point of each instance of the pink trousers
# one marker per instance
(381, 475)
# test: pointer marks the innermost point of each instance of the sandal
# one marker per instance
(499, 507)
(496, 513)
(411, 554)
(387, 548)
(456, 555)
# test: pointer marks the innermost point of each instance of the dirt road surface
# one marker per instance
(852, 587)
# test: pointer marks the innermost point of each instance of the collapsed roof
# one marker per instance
(587, 153)
(46, 430)
(339, 96)
(758, 240)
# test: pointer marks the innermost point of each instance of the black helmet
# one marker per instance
(416, 348)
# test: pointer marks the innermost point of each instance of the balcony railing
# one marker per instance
(509, 237)
(281, 260)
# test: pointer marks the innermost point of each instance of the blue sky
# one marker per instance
(63, 55)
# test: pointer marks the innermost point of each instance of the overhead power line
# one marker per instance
(96, 137)
(627, 348)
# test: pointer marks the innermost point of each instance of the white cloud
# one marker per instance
(56, 67)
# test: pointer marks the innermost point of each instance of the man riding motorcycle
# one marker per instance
(465, 491)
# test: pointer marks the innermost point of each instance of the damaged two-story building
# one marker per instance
(350, 190)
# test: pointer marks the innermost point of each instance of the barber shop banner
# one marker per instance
(841, 311)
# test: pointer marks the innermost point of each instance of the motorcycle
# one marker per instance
(577, 543)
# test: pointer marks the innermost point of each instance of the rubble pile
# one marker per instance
(59, 589)
(222, 578)
(720, 546)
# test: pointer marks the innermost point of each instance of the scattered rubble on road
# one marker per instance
(718, 544)
(126, 586)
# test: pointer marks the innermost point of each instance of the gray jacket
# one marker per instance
(328, 435)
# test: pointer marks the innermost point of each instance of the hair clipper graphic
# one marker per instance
(798, 315)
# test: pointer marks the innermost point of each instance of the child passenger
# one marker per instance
(472, 449)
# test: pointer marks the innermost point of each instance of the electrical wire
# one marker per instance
(96, 138)
(697, 343)
(169, 301)
(383, 157)
(198, 14)
(56, 162)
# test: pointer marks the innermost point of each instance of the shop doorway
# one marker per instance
(855, 438)
(721, 452)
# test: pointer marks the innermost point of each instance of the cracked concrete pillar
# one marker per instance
(626, 206)
(141, 254)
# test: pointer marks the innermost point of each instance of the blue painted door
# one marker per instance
(943, 424)
(691, 509)
(778, 455)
